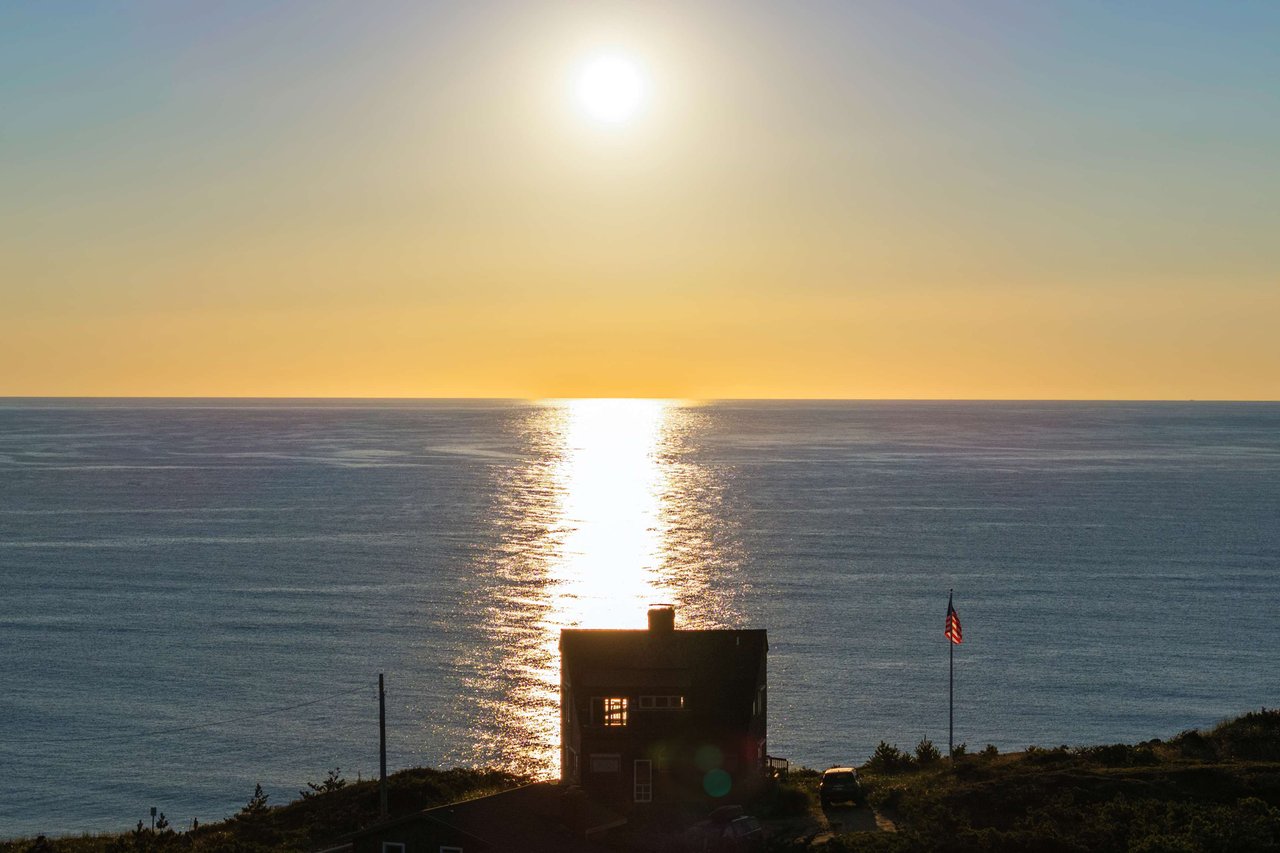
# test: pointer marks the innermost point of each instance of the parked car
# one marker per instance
(840, 785)
(727, 830)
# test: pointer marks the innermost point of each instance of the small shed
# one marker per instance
(543, 816)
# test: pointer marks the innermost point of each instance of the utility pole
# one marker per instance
(382, 747)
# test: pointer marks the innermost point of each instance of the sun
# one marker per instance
(611, 88)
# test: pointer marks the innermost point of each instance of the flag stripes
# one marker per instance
(953, 632)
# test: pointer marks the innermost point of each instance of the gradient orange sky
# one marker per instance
(887, 200)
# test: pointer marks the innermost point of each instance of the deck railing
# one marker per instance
(775, 767)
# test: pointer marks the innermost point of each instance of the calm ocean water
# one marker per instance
(196, 596)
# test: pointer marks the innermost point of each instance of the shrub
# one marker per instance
(1119, 755)
(1040, 755)
(1192, 744)
(926, 752)
(1254, 736)
(886, 797)
(257, 803)
(888, 759)
(332, 782)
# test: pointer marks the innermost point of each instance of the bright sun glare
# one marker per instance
(611, 88)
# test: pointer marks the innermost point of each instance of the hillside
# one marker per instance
(1213, 790)
(305, 824)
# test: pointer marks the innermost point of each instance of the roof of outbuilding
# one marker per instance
(524, 818)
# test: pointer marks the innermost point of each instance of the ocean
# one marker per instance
(198, 595)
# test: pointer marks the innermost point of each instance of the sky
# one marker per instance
(907, 199)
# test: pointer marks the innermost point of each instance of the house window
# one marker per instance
(661, 703)
(644, 781)
(571, 763)
(392, 847)
(758, 704)
(609, 710)
(450, 850)
(606, 763)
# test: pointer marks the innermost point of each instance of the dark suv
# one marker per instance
(840, 784)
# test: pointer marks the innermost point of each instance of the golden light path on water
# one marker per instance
(607, 516)
(610, 488)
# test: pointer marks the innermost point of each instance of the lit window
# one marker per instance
(609, 710)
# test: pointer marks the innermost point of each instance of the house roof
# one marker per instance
(650, 650)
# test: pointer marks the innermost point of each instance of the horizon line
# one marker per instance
(479, 399)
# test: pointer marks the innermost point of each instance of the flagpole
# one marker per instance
(951, 691)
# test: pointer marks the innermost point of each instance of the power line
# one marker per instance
(196, 726)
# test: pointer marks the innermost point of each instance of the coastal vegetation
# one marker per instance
(1211, 790)
(325, 810)
(1215, 790)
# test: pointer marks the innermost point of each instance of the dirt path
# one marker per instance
(821, 825)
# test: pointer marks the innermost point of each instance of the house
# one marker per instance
(663, 716)
(543, 816)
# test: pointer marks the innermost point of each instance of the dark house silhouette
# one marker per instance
(663, 716)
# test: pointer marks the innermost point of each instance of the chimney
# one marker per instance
(662, 618)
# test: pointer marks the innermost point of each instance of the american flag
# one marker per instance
(953, 632)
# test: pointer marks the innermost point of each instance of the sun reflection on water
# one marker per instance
(605, 518)
(611, 488)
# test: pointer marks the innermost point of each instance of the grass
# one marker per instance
(1216, 790)
(305, 824)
